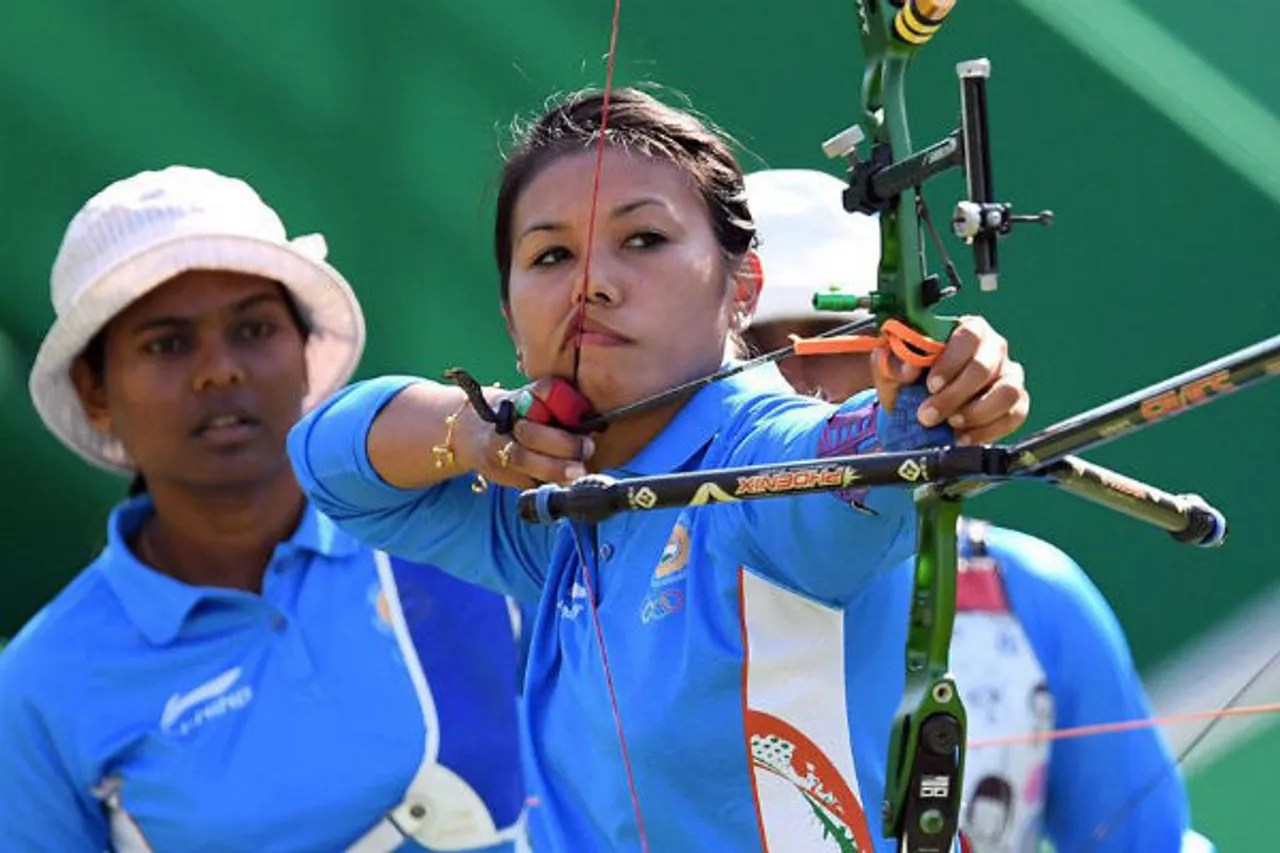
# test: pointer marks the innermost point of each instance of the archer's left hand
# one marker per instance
(974, 386)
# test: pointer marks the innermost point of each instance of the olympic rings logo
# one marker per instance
(661, 605)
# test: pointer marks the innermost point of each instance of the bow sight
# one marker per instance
(876, 184)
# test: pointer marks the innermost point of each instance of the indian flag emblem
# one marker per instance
(675, 556)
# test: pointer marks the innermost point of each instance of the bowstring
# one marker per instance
(1121, 726)
(580, 309)
(1127, 808)
(580, 302)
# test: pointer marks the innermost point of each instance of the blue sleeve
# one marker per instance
(1125, 781)
(42, 810)
(478, 538)
(830, 545)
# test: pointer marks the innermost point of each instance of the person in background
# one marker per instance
(233, 671)
(1035, 646)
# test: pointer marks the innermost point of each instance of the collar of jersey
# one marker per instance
(159, 604)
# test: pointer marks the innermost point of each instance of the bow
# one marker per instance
(927, 749)
(921, 808)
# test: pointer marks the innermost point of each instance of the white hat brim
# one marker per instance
(334, 346)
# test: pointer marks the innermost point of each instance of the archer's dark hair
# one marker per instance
(640, 123)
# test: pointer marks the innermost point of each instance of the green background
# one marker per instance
(1144, 125)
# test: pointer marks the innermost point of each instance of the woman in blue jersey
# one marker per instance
(1035, 646)
(686, 687)
(233, 672)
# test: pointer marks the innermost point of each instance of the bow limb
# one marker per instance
(927, 750)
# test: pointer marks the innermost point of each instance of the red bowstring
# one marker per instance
(581, 301)
(580, 319)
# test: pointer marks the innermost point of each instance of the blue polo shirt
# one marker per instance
(745, 640)
(216, 719)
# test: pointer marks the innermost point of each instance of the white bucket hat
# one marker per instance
(144, 230)
(809, 244)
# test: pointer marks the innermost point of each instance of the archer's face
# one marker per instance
(661, 299)
(203, 377)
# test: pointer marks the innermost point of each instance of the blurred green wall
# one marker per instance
(379, 124)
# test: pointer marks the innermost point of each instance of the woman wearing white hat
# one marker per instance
(1036, 645)
(233, 672)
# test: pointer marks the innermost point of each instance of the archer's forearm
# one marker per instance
(372, 441)
(411, 442)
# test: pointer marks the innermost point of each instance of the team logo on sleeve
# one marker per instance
(848, 433)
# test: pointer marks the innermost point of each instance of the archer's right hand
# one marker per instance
(532, 454)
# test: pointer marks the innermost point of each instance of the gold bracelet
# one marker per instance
(442, 453)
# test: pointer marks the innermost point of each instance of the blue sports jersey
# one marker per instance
(140, 713)
(1054, 606)
(1037, 648)
(746, 641)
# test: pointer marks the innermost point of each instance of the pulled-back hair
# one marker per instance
(639, 123)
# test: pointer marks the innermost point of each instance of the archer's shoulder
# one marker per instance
(1036, 569)
(760, 386)
(59, 638)
(762, 397)
(761, 400)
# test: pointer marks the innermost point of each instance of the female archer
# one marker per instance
(697, 679)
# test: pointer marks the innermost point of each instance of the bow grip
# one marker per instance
(902, 430)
